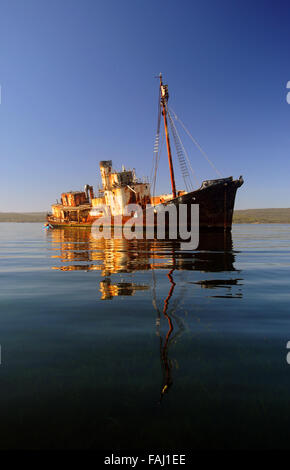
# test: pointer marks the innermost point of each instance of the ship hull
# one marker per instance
(215, 198)
(216, 203)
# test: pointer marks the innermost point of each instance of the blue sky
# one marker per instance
(78, 86)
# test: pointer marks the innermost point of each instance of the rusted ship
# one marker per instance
(215, 197)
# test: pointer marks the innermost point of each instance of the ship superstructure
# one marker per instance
(120, 188)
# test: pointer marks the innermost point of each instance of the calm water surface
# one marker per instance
(138, 345)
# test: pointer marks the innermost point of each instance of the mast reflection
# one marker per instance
(165, 361)
(74, 249)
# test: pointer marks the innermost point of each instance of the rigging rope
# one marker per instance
(180, 150)
(180, 155)
(196, 143)
(156, 166)
(184, 152)
(156, 147)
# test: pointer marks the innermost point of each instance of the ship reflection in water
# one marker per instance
(76, 250)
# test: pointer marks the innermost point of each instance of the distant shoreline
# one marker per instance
(22, 217)
(262, 216)
(242, 216)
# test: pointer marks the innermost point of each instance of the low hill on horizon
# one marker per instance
(262, 216)
(241, 216)
(22, 216)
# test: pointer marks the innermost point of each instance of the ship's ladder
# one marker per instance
(186, 169)
(181, 154)
(201, 150)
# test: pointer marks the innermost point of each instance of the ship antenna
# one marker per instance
(164, 98)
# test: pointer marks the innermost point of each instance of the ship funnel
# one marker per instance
(106, 169)
(89, 190)
(106, 163)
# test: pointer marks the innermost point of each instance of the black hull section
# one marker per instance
(216, 202)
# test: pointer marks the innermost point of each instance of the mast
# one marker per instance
(164, 99)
